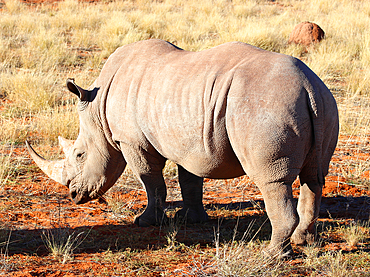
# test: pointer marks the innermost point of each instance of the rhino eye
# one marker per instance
(80, 156)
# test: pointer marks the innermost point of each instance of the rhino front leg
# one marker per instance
(147, 165)
(283, 216)
(156, 193)
(192, 195)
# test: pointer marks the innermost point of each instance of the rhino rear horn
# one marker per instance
(53, 169)
(66, 144)
(83, 94)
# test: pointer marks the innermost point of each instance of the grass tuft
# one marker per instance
(5, 265)
(14, 7)
(355, 233)
(6, 167)
(245, 259)
(334, 264)
(61, 244)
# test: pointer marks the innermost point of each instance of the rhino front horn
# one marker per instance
(53, 169)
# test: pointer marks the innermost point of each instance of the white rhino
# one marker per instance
(219, 113)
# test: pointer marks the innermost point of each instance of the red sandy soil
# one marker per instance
(33, 204)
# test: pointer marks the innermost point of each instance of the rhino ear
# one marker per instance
(66, 144)
(83, 94)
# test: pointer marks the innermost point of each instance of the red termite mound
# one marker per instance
(306, 33)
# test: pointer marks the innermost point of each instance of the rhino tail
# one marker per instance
(316, 107)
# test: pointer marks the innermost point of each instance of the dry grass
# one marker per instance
(5, 266)
(241, 258)
(355, 233)
(40, 48)
(355, 168)
(60, 240)
(6, 168)
(61, 243)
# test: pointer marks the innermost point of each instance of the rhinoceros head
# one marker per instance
(92, 164)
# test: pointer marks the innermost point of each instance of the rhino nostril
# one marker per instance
(73, 195)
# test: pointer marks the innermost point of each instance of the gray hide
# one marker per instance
(219, 113)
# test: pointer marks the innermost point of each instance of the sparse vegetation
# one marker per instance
(6, 169)
(356, 167)
(5, 266)
(355, 233)
(61, 244)
(244, 258)
(60, 241)
(43, 44)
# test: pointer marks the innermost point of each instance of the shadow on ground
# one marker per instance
(127, 235)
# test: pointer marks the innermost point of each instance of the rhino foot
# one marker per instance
(151, 219)
(279, 252)
(300, 237)
(192, 215)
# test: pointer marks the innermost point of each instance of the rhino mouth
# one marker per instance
(76, 190)
(79, 198)
(80, 194)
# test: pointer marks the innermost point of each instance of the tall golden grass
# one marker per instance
(41, 46)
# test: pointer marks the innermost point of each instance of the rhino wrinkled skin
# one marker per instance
(220, 113)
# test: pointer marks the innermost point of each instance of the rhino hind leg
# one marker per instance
(283, 216)
(147, 165)
(192, 194)
(308, 206)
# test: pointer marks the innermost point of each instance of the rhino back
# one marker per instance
(208, 110)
